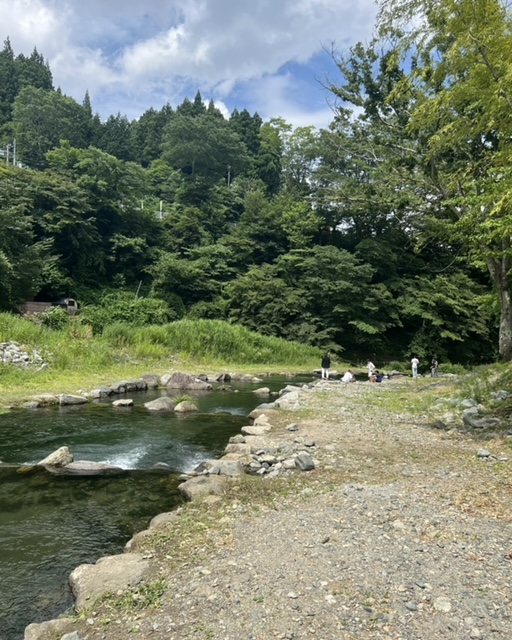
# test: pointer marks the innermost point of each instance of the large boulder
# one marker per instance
(59, 458)
(49, 629)
(180, 380)
(163, 403)
(45, 399)
(110, 574)
(68, 399)
(202, 486)
(101, 392)
(151, 379)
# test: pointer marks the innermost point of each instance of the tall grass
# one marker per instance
(77, 359)
(206, 341)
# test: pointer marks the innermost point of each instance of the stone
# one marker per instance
(180, 380)
(232, 468)
(241, 449)
(164, 403)
(479, 423)
(164, 518)
(48, 629)
(304, 461)
(255, 431)
(442, 603)
(45, 399)
(262, 391)
(68, 399)
(59, 458)
(101, 392)
(110, 574)
(151, 379)
(124, 402)
(202, 486)
(185, 407)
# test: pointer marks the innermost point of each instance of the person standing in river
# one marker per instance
(326, 365)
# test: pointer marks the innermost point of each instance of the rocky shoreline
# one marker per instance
(394, 506)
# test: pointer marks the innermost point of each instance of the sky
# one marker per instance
(266, 56)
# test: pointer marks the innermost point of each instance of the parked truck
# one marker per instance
(30, 307)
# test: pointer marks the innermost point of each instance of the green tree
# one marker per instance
(462, 51)
(41, 119)
(204, 146)
(8, 84)
(23, 258)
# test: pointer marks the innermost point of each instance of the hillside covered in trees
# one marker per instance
(387, 234)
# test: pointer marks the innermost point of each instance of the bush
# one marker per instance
(55, 318)
(124, 307)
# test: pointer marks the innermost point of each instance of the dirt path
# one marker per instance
(401, 532)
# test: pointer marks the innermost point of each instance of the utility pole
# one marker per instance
(14, 152)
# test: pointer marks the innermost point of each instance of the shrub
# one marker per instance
(124, 307)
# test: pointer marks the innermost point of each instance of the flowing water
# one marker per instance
(50, 524)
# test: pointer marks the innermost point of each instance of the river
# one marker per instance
(50, 524)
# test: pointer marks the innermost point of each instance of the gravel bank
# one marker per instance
(401, 533)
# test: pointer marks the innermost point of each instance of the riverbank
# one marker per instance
(401, 531)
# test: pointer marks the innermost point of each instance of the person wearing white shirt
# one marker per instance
(348, 377)
(414, 366)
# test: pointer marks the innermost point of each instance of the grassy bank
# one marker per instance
(78, 360)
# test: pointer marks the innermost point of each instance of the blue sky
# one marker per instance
(261, 55)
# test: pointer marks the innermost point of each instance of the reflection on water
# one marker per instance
(50, 524)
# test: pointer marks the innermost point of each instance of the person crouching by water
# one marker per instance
(326, 365)
(376, 376)
(348, 376)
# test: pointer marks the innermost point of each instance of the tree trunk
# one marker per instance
(499, 269)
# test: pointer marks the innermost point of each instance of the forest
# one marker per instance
(387, 234)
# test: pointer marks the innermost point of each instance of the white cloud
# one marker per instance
(132, 55)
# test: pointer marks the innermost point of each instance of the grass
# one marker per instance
(78, 360)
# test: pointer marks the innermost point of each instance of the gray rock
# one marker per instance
(110, 574)
(479, 423)
(59, 458)
(48, 629)
(185, 407)
(202, 486)
(101, 392)
(262, 391)
(483, 453)
(255, 431)
(45, 399)
(304, 461)
(180, 380)
(160, 404)
(238, 448)
(151, 379)
(238, 439)
(164, 518)
(31, 405)
(68, 399)
(124, 402)
(292, 427)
